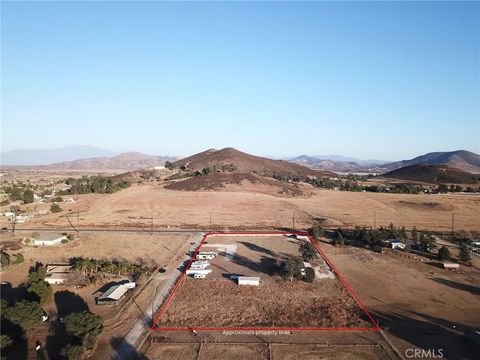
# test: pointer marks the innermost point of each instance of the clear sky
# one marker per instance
(372, 80)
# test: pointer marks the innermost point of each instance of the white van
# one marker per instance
(199, 276)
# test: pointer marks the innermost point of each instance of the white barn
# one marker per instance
(49, 239)
(245, 280)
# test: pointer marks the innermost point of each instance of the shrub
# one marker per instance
(19, 258)
(309, 274)
(55, 208)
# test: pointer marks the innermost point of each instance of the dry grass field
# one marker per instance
(219, 302)
(238, 207)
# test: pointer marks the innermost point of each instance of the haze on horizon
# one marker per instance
(385, 81)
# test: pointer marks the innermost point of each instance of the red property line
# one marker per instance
(350, 290)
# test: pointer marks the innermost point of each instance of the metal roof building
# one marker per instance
(113, 295)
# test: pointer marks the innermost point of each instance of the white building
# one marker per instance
(396, 244)
(198, 271)
(245, 280)
(57, 274)
(113, 296)
(49, 239)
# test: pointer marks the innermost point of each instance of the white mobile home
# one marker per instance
(245, 280)
(198, 271)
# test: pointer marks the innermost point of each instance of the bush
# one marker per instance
(56, 199)
(27, 196)
(308, 251)
(465, 252)
(55, 208)
(309, 274)
(64, 241)
(19, 258)
(5, 341)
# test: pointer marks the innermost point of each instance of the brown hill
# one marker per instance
(460, 159)
(123, 162)
(233, 160)
(434, 174)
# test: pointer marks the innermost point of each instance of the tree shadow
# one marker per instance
(18, 350)
(475, 290)
(124, 350)
(68, 302)
(428, 332)
(267, 265)
(11, 295)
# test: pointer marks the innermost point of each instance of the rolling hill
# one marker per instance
(460, 159)
(123, 162)
(244, 163)
(229, 167)
(434, 174)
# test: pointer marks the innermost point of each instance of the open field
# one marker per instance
(241, 209)
(417, 303)
(218, 301)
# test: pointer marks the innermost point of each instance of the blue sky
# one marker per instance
(371, 80)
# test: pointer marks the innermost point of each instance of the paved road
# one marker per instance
(141, 328)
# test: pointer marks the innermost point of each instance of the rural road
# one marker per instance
(141, 328)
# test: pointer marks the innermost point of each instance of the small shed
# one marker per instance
(245, 280)
(49, 239)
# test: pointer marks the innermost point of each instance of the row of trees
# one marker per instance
(94, 184)
(93, 267)
(444, 188)
(464, 253)
(19, 192)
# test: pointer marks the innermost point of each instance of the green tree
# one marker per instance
(465, 252)
(55, 208)
(444, 254)
(19, 258)
(309, 274)
(72, 352)
(38, 286)
(27, 196)
(308, 250)
(83, 323)
(26, 314)
(339, 238)
(316, 231)
(4, 260)
(415, 234)
(442, 188)
(292, 268)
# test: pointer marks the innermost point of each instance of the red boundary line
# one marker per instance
(343, 281)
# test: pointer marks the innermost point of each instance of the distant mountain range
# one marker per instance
(461, 159)
(27, 157)
(123, 162)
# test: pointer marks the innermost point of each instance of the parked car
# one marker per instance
(199, 276)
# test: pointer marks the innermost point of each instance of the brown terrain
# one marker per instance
(434, 174)
(255, 206)
(218, 301)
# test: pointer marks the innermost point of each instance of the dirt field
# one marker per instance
(219, 302)
(238, 207)
(419, 304)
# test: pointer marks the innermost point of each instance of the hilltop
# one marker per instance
(217, 169)
(434, 174)
(243, 163)
(460, 159)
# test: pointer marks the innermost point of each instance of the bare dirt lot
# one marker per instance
(219, 302)
(244, 208)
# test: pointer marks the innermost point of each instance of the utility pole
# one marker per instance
(453, 225)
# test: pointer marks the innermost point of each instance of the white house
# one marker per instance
(198, 271)
(49, 239)
(245, 280)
